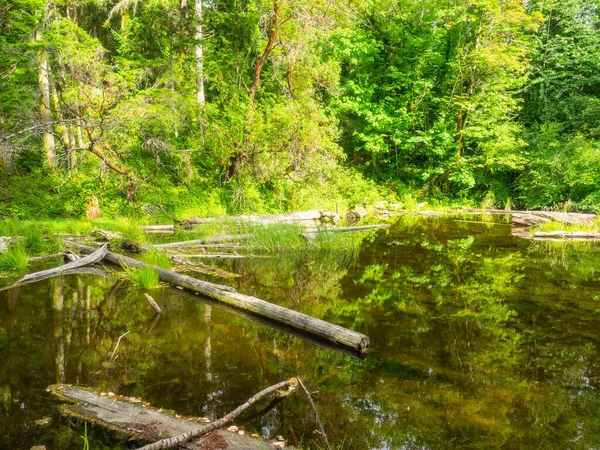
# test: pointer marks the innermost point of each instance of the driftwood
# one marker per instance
(320, 328)
(185, 265)
(174, 442)
(567, 234)
(132, 417)
(532, 218)
(153, 303)
(201, 242)
(356, 215)
(45, 257)
(305, 218)
(93, 257)
(226, 256)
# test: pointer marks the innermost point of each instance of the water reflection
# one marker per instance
(479, 340)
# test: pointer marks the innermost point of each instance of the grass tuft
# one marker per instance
(146, 277)
(14, 259)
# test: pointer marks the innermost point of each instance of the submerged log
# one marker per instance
(93, 257)
(132, 417)
(320, 328)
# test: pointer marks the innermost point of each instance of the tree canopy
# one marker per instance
(260, 105)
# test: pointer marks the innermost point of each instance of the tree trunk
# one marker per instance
(270, 43)
(199, 54)
(46, 113)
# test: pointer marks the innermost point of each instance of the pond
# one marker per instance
(478, 340)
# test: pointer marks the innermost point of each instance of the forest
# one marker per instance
(182, 108)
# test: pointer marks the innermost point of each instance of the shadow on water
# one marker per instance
(478, 340)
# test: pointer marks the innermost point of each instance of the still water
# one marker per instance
(478, 340)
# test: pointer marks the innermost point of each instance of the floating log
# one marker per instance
(532, 218)
(93, 257)
(356, 215)
(136, 419)
(320, 328)
(576, 235)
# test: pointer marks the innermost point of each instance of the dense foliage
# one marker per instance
(181, 107)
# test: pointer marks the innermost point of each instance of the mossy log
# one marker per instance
(317, 327)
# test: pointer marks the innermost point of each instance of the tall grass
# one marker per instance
(146, 277)
(14, 259)
(157, 258)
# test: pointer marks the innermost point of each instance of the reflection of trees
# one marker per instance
(474, 345)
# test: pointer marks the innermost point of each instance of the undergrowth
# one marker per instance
(559, 226)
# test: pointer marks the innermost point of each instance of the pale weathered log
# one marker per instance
(201, 242)
(93, 257)
(186, 265)
(532, 218)
(159, 228)
(174, 442)
(226, 256)
(45, 257)
(345, 229)
(307, 218)
(132, 417)
(356, 214)
(567, 234)
(225, 294)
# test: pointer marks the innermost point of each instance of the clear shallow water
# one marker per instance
(478, 340)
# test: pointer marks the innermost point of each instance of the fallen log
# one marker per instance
(185, 265)
(201, 242)
(356, 215)
(226, 256)
(333, 333)
(567, 234)
(532, 218)
(174, 442)
(94, 256)
(45, 257)
(269, 323)
(306, 218)
(138, 420)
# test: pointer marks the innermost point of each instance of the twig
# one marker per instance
(112, 357)
(153, 303)
(317, 419)
(185, 437)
